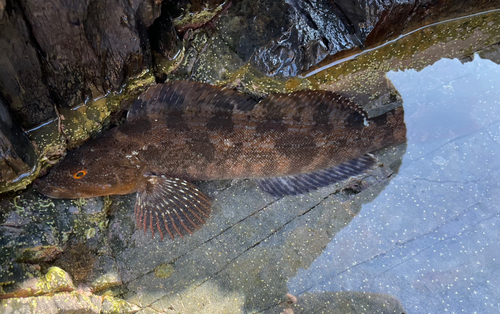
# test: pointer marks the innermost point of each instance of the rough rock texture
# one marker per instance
(55, 293)
(21, 75)
(77, 52)
(285, 38)
(17, 154)
(47, 59)
(253, 244)
(250, 247)
(73, 302)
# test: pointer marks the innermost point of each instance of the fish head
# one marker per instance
(90, 171)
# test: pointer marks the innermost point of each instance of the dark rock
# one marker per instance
(197, 13)
(404, 16)
(95, 48)
(21, 75)
(284, 38)
(166, 47)
(250, 24)
(17, 154)
(39, 254)
(216, 62)
(37, 233)
(321, 31)
(2, 8)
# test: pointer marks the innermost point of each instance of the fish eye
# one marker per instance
(80, 174)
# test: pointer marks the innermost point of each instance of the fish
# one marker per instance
(183, 131)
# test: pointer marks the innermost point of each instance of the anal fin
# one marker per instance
(170, 206)
(306, 182)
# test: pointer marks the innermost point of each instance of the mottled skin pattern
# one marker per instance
(185, 131)
(282, 135)
(171, 130)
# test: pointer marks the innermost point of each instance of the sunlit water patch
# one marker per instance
(431, 238)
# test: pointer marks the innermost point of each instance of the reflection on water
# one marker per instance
(426, 236)
(431, 238)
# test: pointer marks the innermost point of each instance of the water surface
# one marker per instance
(431, 237)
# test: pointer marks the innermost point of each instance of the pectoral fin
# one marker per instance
(170, 206)
(303, 183)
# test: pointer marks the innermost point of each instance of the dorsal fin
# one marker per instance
(314, 107)
(195, 99)
(185, 97)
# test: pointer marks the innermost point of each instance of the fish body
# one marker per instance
(184, 131)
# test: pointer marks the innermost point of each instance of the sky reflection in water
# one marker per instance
(431, 238)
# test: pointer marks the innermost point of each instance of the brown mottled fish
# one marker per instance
(183, 131)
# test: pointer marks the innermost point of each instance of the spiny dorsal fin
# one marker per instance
(170, 206)
(185, 97)
(303, 183)
(314, 107)
(198, 99)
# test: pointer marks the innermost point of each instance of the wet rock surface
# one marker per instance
(254, 249)
(21, 78)
(345, 302)
(17, 153)
(431, 237)
(98, 46)
(73, 302)
(250, 246)
(47, 59)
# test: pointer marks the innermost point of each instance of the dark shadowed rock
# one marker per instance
(2, 7)
(166, 46)
(17, 154)
(284, 38)
(401, 17)
(93, 49)
(49, 59)
(253, 245)
(249, 25)
(21, 75)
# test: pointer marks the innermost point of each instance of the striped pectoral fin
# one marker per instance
(170, 206)
(303, 183)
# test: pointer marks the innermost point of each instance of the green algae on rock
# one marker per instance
(55, 280)
(195, 16)
(164, 270)
(69, 302)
